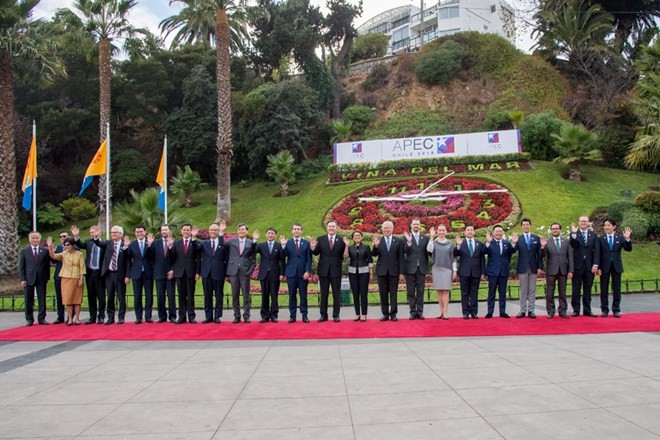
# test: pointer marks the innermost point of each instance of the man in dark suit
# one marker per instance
(113, 271)
(271, 272)
(298, 266)
(213, 269)
(389, 269)
(161, 256)
(186, 270)
(471, 269)
(330, 249)
(240, 265)
(586, 254)
(558, 269)
(140, 271)
(611, 266)
(530, 265)
(498, 251)
(416, 266)
(34, 272)
(58, 281)
(95, 282)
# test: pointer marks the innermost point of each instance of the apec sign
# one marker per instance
(428, 147)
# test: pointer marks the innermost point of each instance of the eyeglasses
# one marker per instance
(64, 236)
(67, 244)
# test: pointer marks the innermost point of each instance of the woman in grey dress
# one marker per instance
(444, 266)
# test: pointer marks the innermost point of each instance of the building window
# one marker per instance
(448, 2)
(400, 35)
(446, 13)
(401, 21)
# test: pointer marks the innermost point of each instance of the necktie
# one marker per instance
(185, 246)
(387, 240)
(471, 247)
(558, 244)
(584, 236)
(331, 239)
(95, 254)
(529, 242)
(270, 247)
(113, 261)
(142, 248)
(212, 247)
(297, 248)
(35, 254)
(241, 246)
(417, 239)
(164, 248)
(610, 241)
(497, 242)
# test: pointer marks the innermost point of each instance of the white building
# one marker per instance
(406, 26)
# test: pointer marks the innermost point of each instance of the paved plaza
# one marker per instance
(604, 386)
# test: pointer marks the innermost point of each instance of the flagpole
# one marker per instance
(165, 174)
(107, 185)
(34, 181)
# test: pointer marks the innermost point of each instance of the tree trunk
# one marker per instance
(187, 200)
(223, 144)
(574, 173)
(105, 76)
(284, 188)
(9, 245)
(335, 110)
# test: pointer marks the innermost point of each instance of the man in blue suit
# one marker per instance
(499, 253)
(586, 254)
(297, 267)
(214, 268)
(160, 254)
(140, 271)
(271, 272)
(530, 264)
(611, 266)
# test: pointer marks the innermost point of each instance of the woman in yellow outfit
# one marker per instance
(72, 274)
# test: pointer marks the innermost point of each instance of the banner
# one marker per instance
(30, 175)
(97, 166)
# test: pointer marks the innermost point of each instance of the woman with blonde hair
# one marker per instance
(444, 266)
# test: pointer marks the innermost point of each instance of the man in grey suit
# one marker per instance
(559, 268)
(240, 264)
(34, 272)
(416, 265)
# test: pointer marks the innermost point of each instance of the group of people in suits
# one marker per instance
(176, 265)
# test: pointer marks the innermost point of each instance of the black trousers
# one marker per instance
(270, 288)
(616, 292)
(58, 299)
(360, 289)
(325, 283)
(28, 296)
(166, 289)
(213, 290)
(95, 294)
(114, 286)
(145, 284)
(559, 280)
(583, 280)
(240, 283)
(497, 284)
(415, 292)
(300, 285)
(186, 288)
(469, 295)
(388, 286)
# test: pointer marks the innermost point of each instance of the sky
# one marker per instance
(149, 13)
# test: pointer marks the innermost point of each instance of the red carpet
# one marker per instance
(346, 329)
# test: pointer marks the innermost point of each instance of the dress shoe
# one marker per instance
(99, 321)
(603, 315)
(520, 315)
(120, 321)
(305, 320)
(273, 320)
(464, 317)
(551, 315)
(321, 319)
(29, 324)
(172, 320)
(292, 320)
(180, 321)
(207, 321)
(488, 315)
(394, 319)
(217, 321)
(138, 321)
(421, 317)
(109, 321)
(263, 321)
(192, 321)
(246, 320)
(89, 321)
(532, 315)
(563, 315)
(504, 315)
(59, 321)
(575, 314)
(617, 315)
(384, 318)
(412, 317)
(149, 321)
(590, 315)
(336, 319)
(473, 317)
(162, 320)
(236, 320)
(43, 322)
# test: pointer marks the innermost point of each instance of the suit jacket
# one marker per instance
(246, 260)
(559, 261)
(297, 263)
(107, 257)
(34, 272)
(359, 258)
(498, 263)
(136, 261)
(186, 264)
(415, 254)
(389, 263)
(610, 260)
(213, 264)
(161, 261)
(271, 264)
(585, 256)
(471, 265)
(330, 260)
(529, 258)
(87, 244)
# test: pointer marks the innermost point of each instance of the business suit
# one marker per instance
(416, 266)
(470, 269)
(239, 269)
(586, 254)
(389, 267)
(329, 270)
(161, 257)
(497, 270)
(186, 266)
(58, 285)
(271, 266)
(141, 272)
(530, 261)
(360, 261)
(35, 271)
(113, 274)
(213, 271)
(95, 284)
(297, 262)
(611, 266)
(559, 263)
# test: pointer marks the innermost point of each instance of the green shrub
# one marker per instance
(649, 201)
(654, 223)
(497, 119)
(50, 215)
(617, 210)
(360, 116)
(376, 79)
(410, 124)
(366, 47)
(78, 208)
(638, 221)
(536, 134)
(312, 167)
(440, 66)
(407, 62)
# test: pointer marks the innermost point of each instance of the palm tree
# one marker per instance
(142, 208)
(341, 130)
(282, 168)
(575, 145)
(230, 17)
(185, 183)
(20, 39)
(106, 20)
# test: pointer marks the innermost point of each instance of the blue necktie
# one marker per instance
(610, 242)
(470, 247)
(270, 247)
(529, 242)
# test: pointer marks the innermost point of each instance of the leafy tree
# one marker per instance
(130, 172)
(536, 134)
(184, 183)
(366, 47)
(441, 65)
(142, 208)
(576, 145)
(50, 215)
(360, 116)
(282, 169)
(341, 130)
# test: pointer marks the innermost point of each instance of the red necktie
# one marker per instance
(185, 246)
(330, 240)
(297, 248)
(35, 254)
